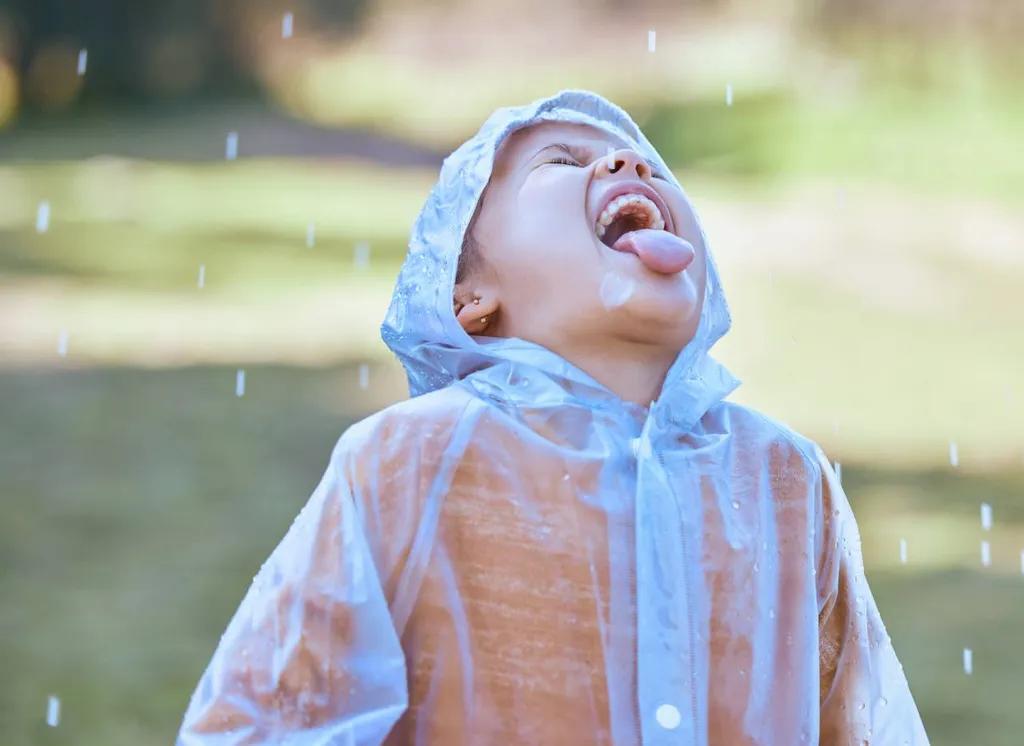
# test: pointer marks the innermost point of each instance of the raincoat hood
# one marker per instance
(420, 326)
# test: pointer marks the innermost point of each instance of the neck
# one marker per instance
(633, 372)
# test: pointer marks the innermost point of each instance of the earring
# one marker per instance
(476, 301)
(483, 319)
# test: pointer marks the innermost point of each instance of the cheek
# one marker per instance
(686, 226)
(682, 216)
(542, 248)
(551, 208)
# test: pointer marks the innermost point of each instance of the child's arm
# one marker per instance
(864, 695)
(311, 655)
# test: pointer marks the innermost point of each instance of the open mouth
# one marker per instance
(627, 213)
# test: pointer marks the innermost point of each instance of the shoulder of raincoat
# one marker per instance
(863, 693)
(312, 654)
(516, 555)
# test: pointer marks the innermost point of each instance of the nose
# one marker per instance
(625, 159)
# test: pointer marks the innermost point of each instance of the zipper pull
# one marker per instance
(643, 441)
(634, 444)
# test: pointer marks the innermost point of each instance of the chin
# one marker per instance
(658, 316)
(672, 296)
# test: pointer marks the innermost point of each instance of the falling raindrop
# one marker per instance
(968, 661)
(286, 26)
(43, 217)
(986, 554)
(650, 40)
(839, 472)
(1022, 562)
(364, 375)
(728, 94)
(240, 383)
(616, 289)
(361, 257)
(231, 146)
(668, 717)
(310, 235)
(735, 504)
(202, 276)
(903, 551)
(771, 613)
(83, 59)
(53, 711)
(954, 459)
(62, 343)
(986, 516)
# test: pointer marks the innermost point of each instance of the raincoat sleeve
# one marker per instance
(864, 696)
(311, 656)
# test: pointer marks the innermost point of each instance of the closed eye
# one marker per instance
(568, 162)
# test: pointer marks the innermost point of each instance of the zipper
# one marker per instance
(690, 623)
(635, 590)
(697, 727)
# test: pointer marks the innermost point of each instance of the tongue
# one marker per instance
(660, 251)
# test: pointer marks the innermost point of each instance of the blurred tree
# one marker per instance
(151, 50)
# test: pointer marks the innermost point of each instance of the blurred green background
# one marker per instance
(862, 192)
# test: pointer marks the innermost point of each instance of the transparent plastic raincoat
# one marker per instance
(514, 555)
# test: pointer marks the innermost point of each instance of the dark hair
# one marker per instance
(470, 257)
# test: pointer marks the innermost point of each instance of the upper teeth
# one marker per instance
(654, 219)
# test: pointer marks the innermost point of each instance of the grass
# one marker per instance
(146, 220)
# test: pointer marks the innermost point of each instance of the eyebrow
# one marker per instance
(575, 150)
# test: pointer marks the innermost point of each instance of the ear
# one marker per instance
(476, 307)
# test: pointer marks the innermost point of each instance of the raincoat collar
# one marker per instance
(420, 325)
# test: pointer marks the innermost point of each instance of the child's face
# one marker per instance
(546, 275)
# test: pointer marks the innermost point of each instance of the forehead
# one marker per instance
(526, 141)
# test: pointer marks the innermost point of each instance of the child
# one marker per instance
(565, 535)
